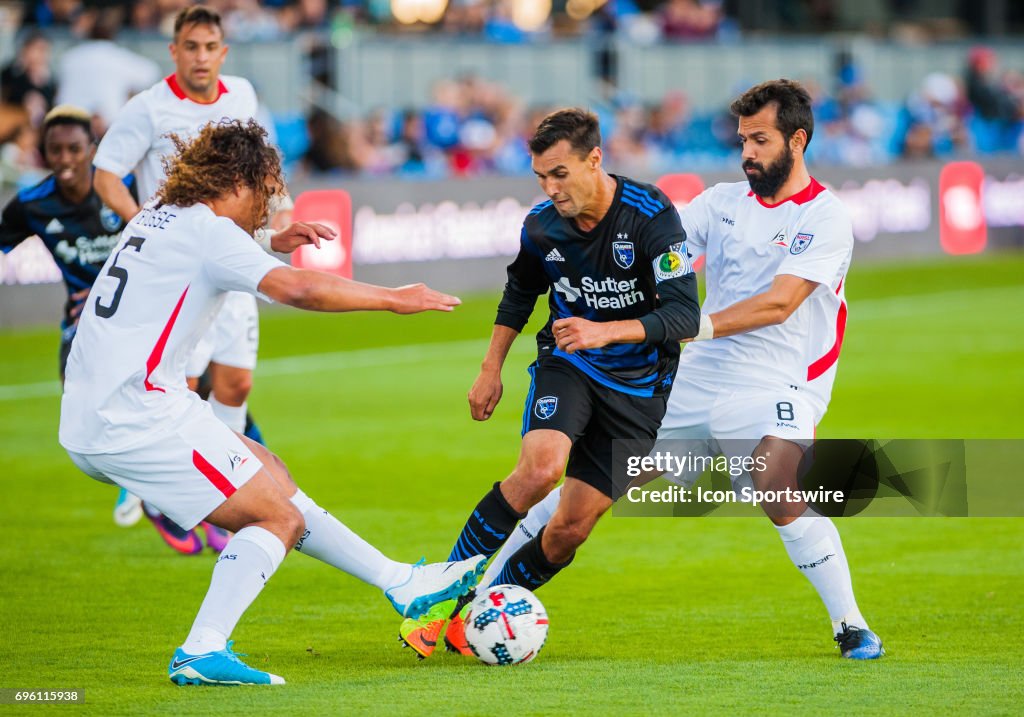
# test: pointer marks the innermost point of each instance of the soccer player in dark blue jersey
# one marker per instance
(609, 253)
(66, 213)
(79, 230)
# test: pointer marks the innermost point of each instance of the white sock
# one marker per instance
(328, 539)
(528, 527)
(813, 545)
(231, 416)
(241, 571)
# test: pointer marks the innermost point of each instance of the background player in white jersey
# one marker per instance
(137, 141)
(127, 416)
(777, 249)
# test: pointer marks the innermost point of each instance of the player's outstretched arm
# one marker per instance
(317, 291)
(115, 194)
(768, 308)
(487, 389)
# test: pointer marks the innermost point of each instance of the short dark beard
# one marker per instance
(772, 177)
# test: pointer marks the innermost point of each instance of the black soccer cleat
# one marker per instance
(857, 643)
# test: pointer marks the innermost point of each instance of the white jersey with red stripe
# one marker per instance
(138, 139)
(746, 244)
(155, 297)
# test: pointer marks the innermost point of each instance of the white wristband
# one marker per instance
(707, 329)
(262, 237)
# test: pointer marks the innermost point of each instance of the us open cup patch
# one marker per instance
(670, 265)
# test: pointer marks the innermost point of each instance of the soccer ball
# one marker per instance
(506, 625)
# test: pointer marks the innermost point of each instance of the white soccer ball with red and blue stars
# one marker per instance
(506, 625)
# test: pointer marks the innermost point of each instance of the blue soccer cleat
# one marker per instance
(430, 584)
(858, 643)
(216, 668)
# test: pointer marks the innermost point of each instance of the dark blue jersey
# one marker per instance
(80, 236)
(632, 265)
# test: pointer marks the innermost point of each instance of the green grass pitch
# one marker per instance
(656, 616)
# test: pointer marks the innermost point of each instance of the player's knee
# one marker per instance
(542, 473)
(292, 524)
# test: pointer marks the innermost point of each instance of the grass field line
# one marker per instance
(879, 308)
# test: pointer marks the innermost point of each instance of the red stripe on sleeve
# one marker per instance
(220, 482)
(828, 360)
(158, 351)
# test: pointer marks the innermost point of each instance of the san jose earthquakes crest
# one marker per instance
(622, 251)
(545, 407)
(109, 219)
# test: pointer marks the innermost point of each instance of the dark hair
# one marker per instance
(576, 125)
(223, 156)
(792, 106)
(67, 115)
(197, 15)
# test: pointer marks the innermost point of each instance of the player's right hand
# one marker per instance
(298, 234)
(485, 394)
(413, 298)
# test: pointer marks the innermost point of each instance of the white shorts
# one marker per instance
(186, 473)
(708, 420)
(233, 338)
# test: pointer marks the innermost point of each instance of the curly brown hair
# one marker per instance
(223, 156)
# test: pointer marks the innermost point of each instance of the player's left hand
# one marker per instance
(78, 298)
(298, 233)
(574, 333)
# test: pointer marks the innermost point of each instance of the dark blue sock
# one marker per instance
(252, 431)
(529, 567)
(487, 528)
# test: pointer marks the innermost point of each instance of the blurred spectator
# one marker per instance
(56, 13)
(20, 161)
(248, 20)
(27, 81)
(996, 125)
(123, 72)
(932, 119)
(689, 19)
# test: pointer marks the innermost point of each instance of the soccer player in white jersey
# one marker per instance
(137, 141)
(758, 377)
(127, 416)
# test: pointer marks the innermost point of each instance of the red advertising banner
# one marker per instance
(962, 227)
(333, 208)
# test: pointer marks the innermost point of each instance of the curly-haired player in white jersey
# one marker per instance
(138, 140)
(758, 377)
(127, 416)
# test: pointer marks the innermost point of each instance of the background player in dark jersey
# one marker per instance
(79, 230)
(622, 295)
(66, 213)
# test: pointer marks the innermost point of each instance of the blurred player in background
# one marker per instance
(137, 141)
(78, 229)
(622, 295)
(759, 378)
(156, 296)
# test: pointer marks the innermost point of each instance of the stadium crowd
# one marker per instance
(473, 126)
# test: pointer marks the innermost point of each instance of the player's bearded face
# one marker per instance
(198, 54)
(767, 177)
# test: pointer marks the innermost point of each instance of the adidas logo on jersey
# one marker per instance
(554, 255)
(54, 226)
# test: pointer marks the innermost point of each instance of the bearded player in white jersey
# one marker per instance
(758, 377)
(127, 416)
(138, 141)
